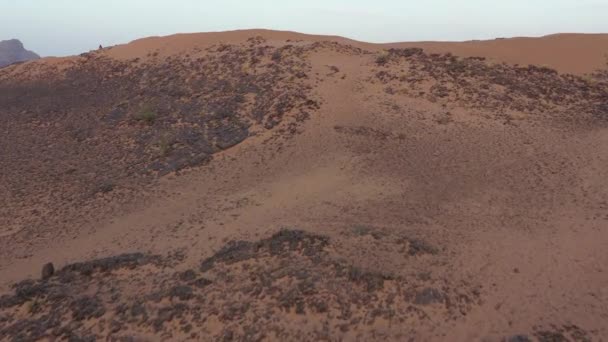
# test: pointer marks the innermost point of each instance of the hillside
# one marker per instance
(12, 51)
(261, 185)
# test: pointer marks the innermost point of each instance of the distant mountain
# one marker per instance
(12, 51)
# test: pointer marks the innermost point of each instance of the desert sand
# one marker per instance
(260, 185)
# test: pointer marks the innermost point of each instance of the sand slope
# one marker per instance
(567, 53)
(279, 186)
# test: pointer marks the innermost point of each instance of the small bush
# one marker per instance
(361, 230)
(383, 58)
(590, 79)
(105, 187)
(165, 145)
(407, 52)
(146, 115)
(276, 56)
(34, 306)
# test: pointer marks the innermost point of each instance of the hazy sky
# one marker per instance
(63, 27)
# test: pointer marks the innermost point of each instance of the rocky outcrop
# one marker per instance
(12, 51)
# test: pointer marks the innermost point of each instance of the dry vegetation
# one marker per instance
(429, 196)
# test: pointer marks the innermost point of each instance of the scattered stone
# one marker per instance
(48, 270)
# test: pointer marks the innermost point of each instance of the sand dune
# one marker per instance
(567, 53)
(262, 185)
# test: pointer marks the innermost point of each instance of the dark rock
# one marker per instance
(47, 271)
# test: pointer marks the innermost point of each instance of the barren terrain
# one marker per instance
(261, 185)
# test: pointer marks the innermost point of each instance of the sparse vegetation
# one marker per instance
(276, 56)
(360, 230)
(590, 79)
(34, 306)
(146, 115)
(165, 145)
(334, 69)
(380, 254)
(383, 58)
(105, 187)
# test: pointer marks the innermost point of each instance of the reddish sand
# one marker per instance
(568, 53)
(426, 198)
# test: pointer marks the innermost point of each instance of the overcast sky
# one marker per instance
(64, 27)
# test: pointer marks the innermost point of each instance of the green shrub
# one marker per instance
(146, 115)
(165, 145)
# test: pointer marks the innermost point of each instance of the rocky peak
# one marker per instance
(13, 51)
